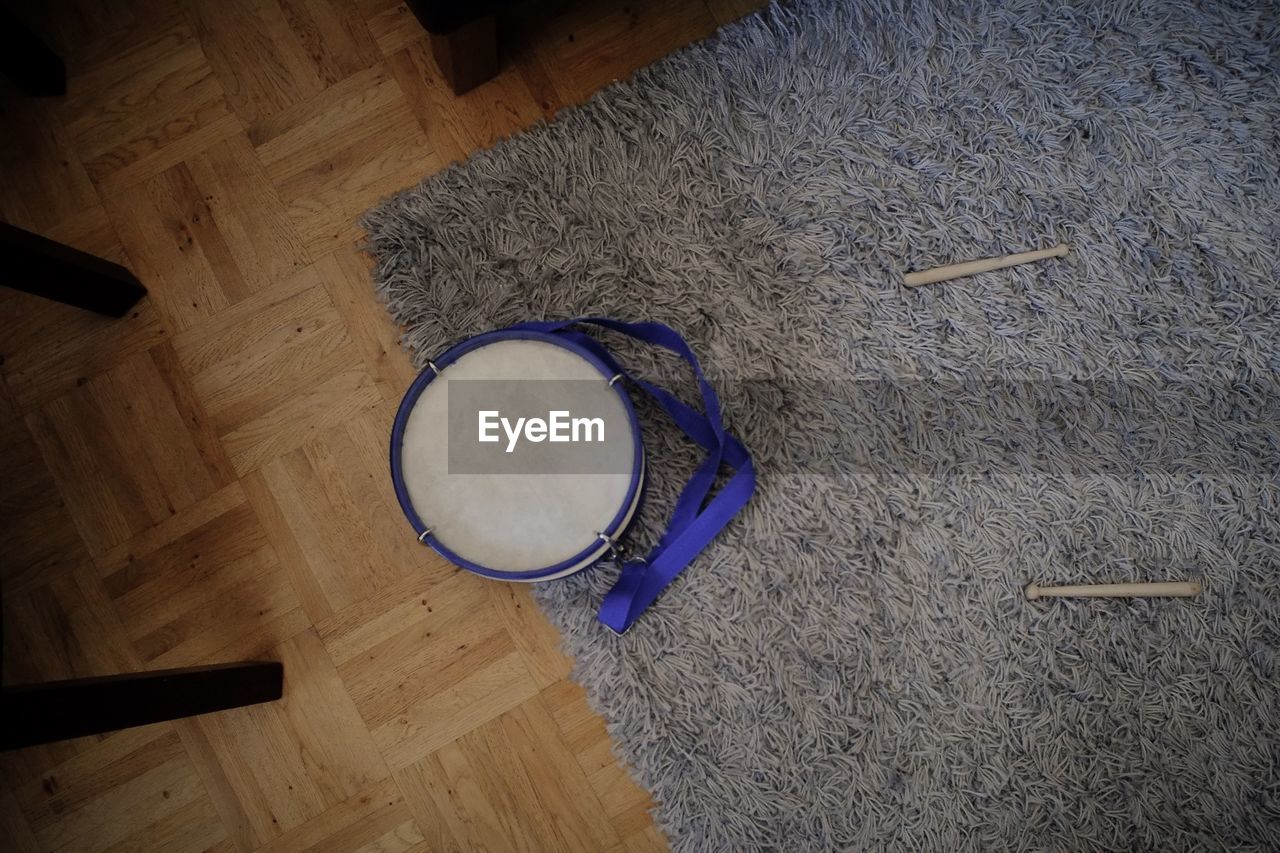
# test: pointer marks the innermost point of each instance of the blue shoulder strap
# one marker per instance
(696, 520)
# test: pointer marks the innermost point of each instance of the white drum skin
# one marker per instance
(514, 526)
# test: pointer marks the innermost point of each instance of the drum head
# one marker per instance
(528, 511)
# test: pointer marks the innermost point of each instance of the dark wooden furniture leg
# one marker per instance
(39, 713)
(468, 55)
(46, 268)
(27, 60)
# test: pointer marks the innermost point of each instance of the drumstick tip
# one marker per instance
(1033, 591)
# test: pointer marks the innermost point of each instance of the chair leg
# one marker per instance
(35, 264)
(38, 713)
(27, 60)
(468, 55)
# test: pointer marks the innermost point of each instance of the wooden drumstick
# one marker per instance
(1176, 589)
(950, 271)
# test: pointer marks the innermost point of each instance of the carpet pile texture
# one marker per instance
(853, 663)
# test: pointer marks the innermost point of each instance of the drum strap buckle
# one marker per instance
(619, 553)
(616, 550)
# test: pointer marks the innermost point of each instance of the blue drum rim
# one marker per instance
(428, 375)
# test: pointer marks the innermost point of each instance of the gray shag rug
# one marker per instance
(853, 664)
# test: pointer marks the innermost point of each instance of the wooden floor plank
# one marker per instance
(146, 109)
(537, 640)
(187, 600)
(346, 275)
(445, 665)
(247, 212)
(78, 782)
(120, 453)
(186, 266)
(38, 538)
(91, 230)
(238, 828)
(270, 54)
(336, 744)
(50, 348)
(45, 183)
(13, 823)
(512, 784)
(390, 23)
(327, 191)
(377, 818)
(144, 773)
(626, 804)
(313, 488)
(416, 782)
(334, 155)
(647, 840)
(276, 370)
(298, 418)
(195, 416)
